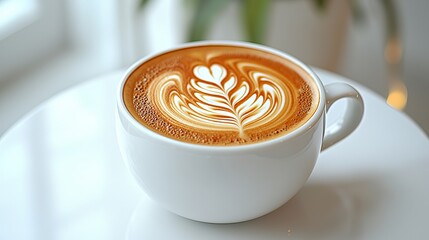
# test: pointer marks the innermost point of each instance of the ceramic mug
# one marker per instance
(227, 184)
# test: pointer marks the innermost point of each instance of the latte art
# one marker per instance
(219, 95)
(217, 100)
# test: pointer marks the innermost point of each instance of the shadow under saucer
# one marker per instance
(322, 211)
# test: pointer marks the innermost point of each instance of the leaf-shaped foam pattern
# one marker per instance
(218, 99)
(220, 95)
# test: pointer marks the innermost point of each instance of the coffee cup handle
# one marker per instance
(352, 116)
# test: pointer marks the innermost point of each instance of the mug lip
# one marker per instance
(309, 124)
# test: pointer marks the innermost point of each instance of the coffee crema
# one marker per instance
(220, 95)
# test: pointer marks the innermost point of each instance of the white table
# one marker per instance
(62, 177)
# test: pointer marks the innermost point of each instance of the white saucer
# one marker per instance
(61, 177)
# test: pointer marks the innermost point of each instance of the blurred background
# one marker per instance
(47, 46)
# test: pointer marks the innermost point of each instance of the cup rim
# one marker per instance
(309, 124)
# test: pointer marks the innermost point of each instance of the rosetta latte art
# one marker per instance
(218, 100)
(220, 95)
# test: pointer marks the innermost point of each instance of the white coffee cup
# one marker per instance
(226, 184)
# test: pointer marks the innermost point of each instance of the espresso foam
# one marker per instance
(220, 95)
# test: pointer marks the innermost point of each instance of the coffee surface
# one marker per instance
(220, 95)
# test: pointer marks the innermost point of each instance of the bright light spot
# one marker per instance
(397, 97)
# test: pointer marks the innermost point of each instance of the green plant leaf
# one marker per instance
(205, 14)
(321, 4)
(255, 13)
(142, 3)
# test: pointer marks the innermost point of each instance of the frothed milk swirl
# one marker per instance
(220, 95)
